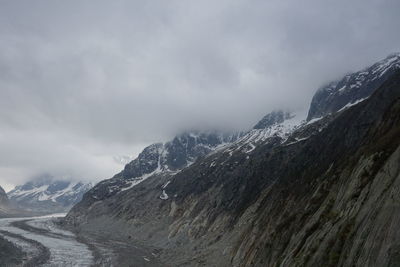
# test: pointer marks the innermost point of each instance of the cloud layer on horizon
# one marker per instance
(84, 81)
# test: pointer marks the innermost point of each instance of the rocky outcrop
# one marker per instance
(325, 194)
(337, 208)
(3, 197)
(6, 208)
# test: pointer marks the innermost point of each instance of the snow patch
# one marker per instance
(314, 120)
(352, 104)
(297, 140)
(164, 195)
(166, 184)
(137, 180)
(252, 147)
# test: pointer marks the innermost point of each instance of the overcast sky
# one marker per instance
(83, 82)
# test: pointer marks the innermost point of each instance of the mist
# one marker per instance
(83, 83)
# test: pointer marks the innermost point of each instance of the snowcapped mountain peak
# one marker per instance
(44, 191)
(280, 123)
(273, 118)
(277, 125)
(383, 66)
(182, 151)
(352, 87)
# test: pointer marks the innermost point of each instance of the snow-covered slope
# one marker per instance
(47, 193)
(276, 126)
(168, 157)
(273, 118)
(352, 87)
(335, 97)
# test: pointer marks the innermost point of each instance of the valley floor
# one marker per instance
(38, 241)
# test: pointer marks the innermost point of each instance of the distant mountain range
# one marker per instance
(296, 190)
(47, 194)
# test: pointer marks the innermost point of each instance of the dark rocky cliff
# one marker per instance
(6, 208)
(325, 196)
(3, 197)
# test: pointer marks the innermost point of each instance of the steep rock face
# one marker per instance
(339, 208)
(6, 208)
(48, 195)
(326, 199)
(352, 88)
(3, 197)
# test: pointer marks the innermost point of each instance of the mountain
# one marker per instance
(46, 194)
(4, 203)
(3, 197)
(275, 117)
(352, 88)
(169, 157)
(185, 149)
(6, 207)
(289, 192)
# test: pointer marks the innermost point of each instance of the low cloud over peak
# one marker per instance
(84, 83)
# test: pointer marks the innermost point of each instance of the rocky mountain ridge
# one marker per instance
(307, 193)
(352, 87)
(168, 157)
(184, 149)
(47, 194)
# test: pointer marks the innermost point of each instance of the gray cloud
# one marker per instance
(82, 82)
